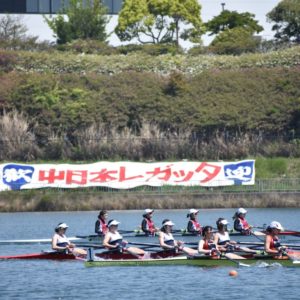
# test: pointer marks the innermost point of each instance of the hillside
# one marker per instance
(142, 107)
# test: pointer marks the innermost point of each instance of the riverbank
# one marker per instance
(85, 201)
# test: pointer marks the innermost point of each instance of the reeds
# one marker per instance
(99, 142)
(88, 200)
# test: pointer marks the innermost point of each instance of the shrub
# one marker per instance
(88, 47)
(7, 61)
(151, 49)
(234, 41)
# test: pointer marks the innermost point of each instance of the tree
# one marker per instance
(232, 19)
(286, 15)
(160, 21)
(85, 20)
(234, 41)
(11, 28)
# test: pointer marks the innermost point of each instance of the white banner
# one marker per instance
(126, 175)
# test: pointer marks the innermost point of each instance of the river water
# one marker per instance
(70, 279)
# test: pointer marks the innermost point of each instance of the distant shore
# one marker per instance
(85, 201)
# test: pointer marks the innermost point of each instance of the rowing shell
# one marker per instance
(35, 241)
(43, 255)
(110, 255)
(186, 261)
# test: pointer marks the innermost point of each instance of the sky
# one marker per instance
(210, 8)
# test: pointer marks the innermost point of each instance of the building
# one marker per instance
(48, 6)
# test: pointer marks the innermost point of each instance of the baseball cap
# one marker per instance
(113, 223)
(168, 223)
(241, 211)
(276, 225)
(224, 222)
(149, 211)
(194, 211)
(62, 225)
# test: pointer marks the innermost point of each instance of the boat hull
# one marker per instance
(108, 255)
(43, 255)
(185, 261)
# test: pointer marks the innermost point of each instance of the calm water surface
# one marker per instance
(69, 280)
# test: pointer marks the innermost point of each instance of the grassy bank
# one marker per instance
(60, 105)
(68, 201)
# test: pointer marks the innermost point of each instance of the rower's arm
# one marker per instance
(54, 244)
(162, 243)
(267, 245)
(107, 244)
(237, 225)
(216, 239)
(200, 247)
(97, 224)
(145, 227)
(190, 227)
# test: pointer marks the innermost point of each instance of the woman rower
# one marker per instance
(147, 225)
(100, 225)
(113, 240)
(222, 239)
(193, 224)
(240, 223)
(206, 244)
(62, 244)
(272, 243)
(167, 241)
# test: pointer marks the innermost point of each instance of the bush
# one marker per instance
(88, 47)
(26, 44)
(197, 50)
(7, 61)
(234, 41)
(151, 49)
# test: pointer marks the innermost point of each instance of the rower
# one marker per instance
(206, 244)
(193, 224)
(222, 239)
(240, 223)
(62, 244)
(272, 243)
(113, 240)
(147, 225)
(100, 225)
(167, 241)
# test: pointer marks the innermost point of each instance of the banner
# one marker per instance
(126, 175)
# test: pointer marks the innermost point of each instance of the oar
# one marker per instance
(239, 264)
(226, 256)
(89, 236)
(255, 235)
(290, 231)
(144, 244)
(33, 241)
(95, 246)
(294, 256)
(262, 244)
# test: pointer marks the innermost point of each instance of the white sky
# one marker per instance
(210, 8)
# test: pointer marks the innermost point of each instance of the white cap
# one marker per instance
(276, 225)
(224, 222)
(194, 211)
(241, 211)
(62, 225)
(168, 223)
(113, 223)
(149, 211)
